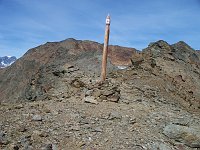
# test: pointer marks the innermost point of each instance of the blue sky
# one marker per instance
(25, 24)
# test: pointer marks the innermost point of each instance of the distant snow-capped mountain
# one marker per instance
(7, 61)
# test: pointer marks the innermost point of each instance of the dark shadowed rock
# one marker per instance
(184, 52)
(158, 48)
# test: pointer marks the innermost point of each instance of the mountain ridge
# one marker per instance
(52, 98)
(86, 56)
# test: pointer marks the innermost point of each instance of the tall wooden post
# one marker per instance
(105, 49)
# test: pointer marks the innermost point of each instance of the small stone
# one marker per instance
(37, 118)
(75, 128)
(114, 115)
(46, 110)
(132, 120)
(139, 100)
(182, 121)
(106, 140)
(102, 97)
(98, 129)
(86, 126)
(90, 99)
(125, 121)
(37, 134)
(88, 92)
(19, 106)
(3, 140)
(108, 92)
(96, 93)
(82, 143)
(28, 147)
(2, 134)
(14, 147)
(160, 146)
(22, 129)
(54, 147)
(113, 98)
(25, 140)
(48, 147)
(77, 83)
(125, 101)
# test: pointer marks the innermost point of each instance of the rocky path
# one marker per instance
(72, 123)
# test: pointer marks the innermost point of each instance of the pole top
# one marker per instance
(108, 20)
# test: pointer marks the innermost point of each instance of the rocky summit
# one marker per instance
(52, 98)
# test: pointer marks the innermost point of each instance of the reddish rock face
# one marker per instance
(121, 56)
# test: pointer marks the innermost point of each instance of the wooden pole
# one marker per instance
(105, 49)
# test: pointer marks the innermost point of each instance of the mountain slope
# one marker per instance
(152, 104)
(52, 55)
(39, 71)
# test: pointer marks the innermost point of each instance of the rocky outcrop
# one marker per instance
(190, 136)
(179, 65)
(184, 52)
